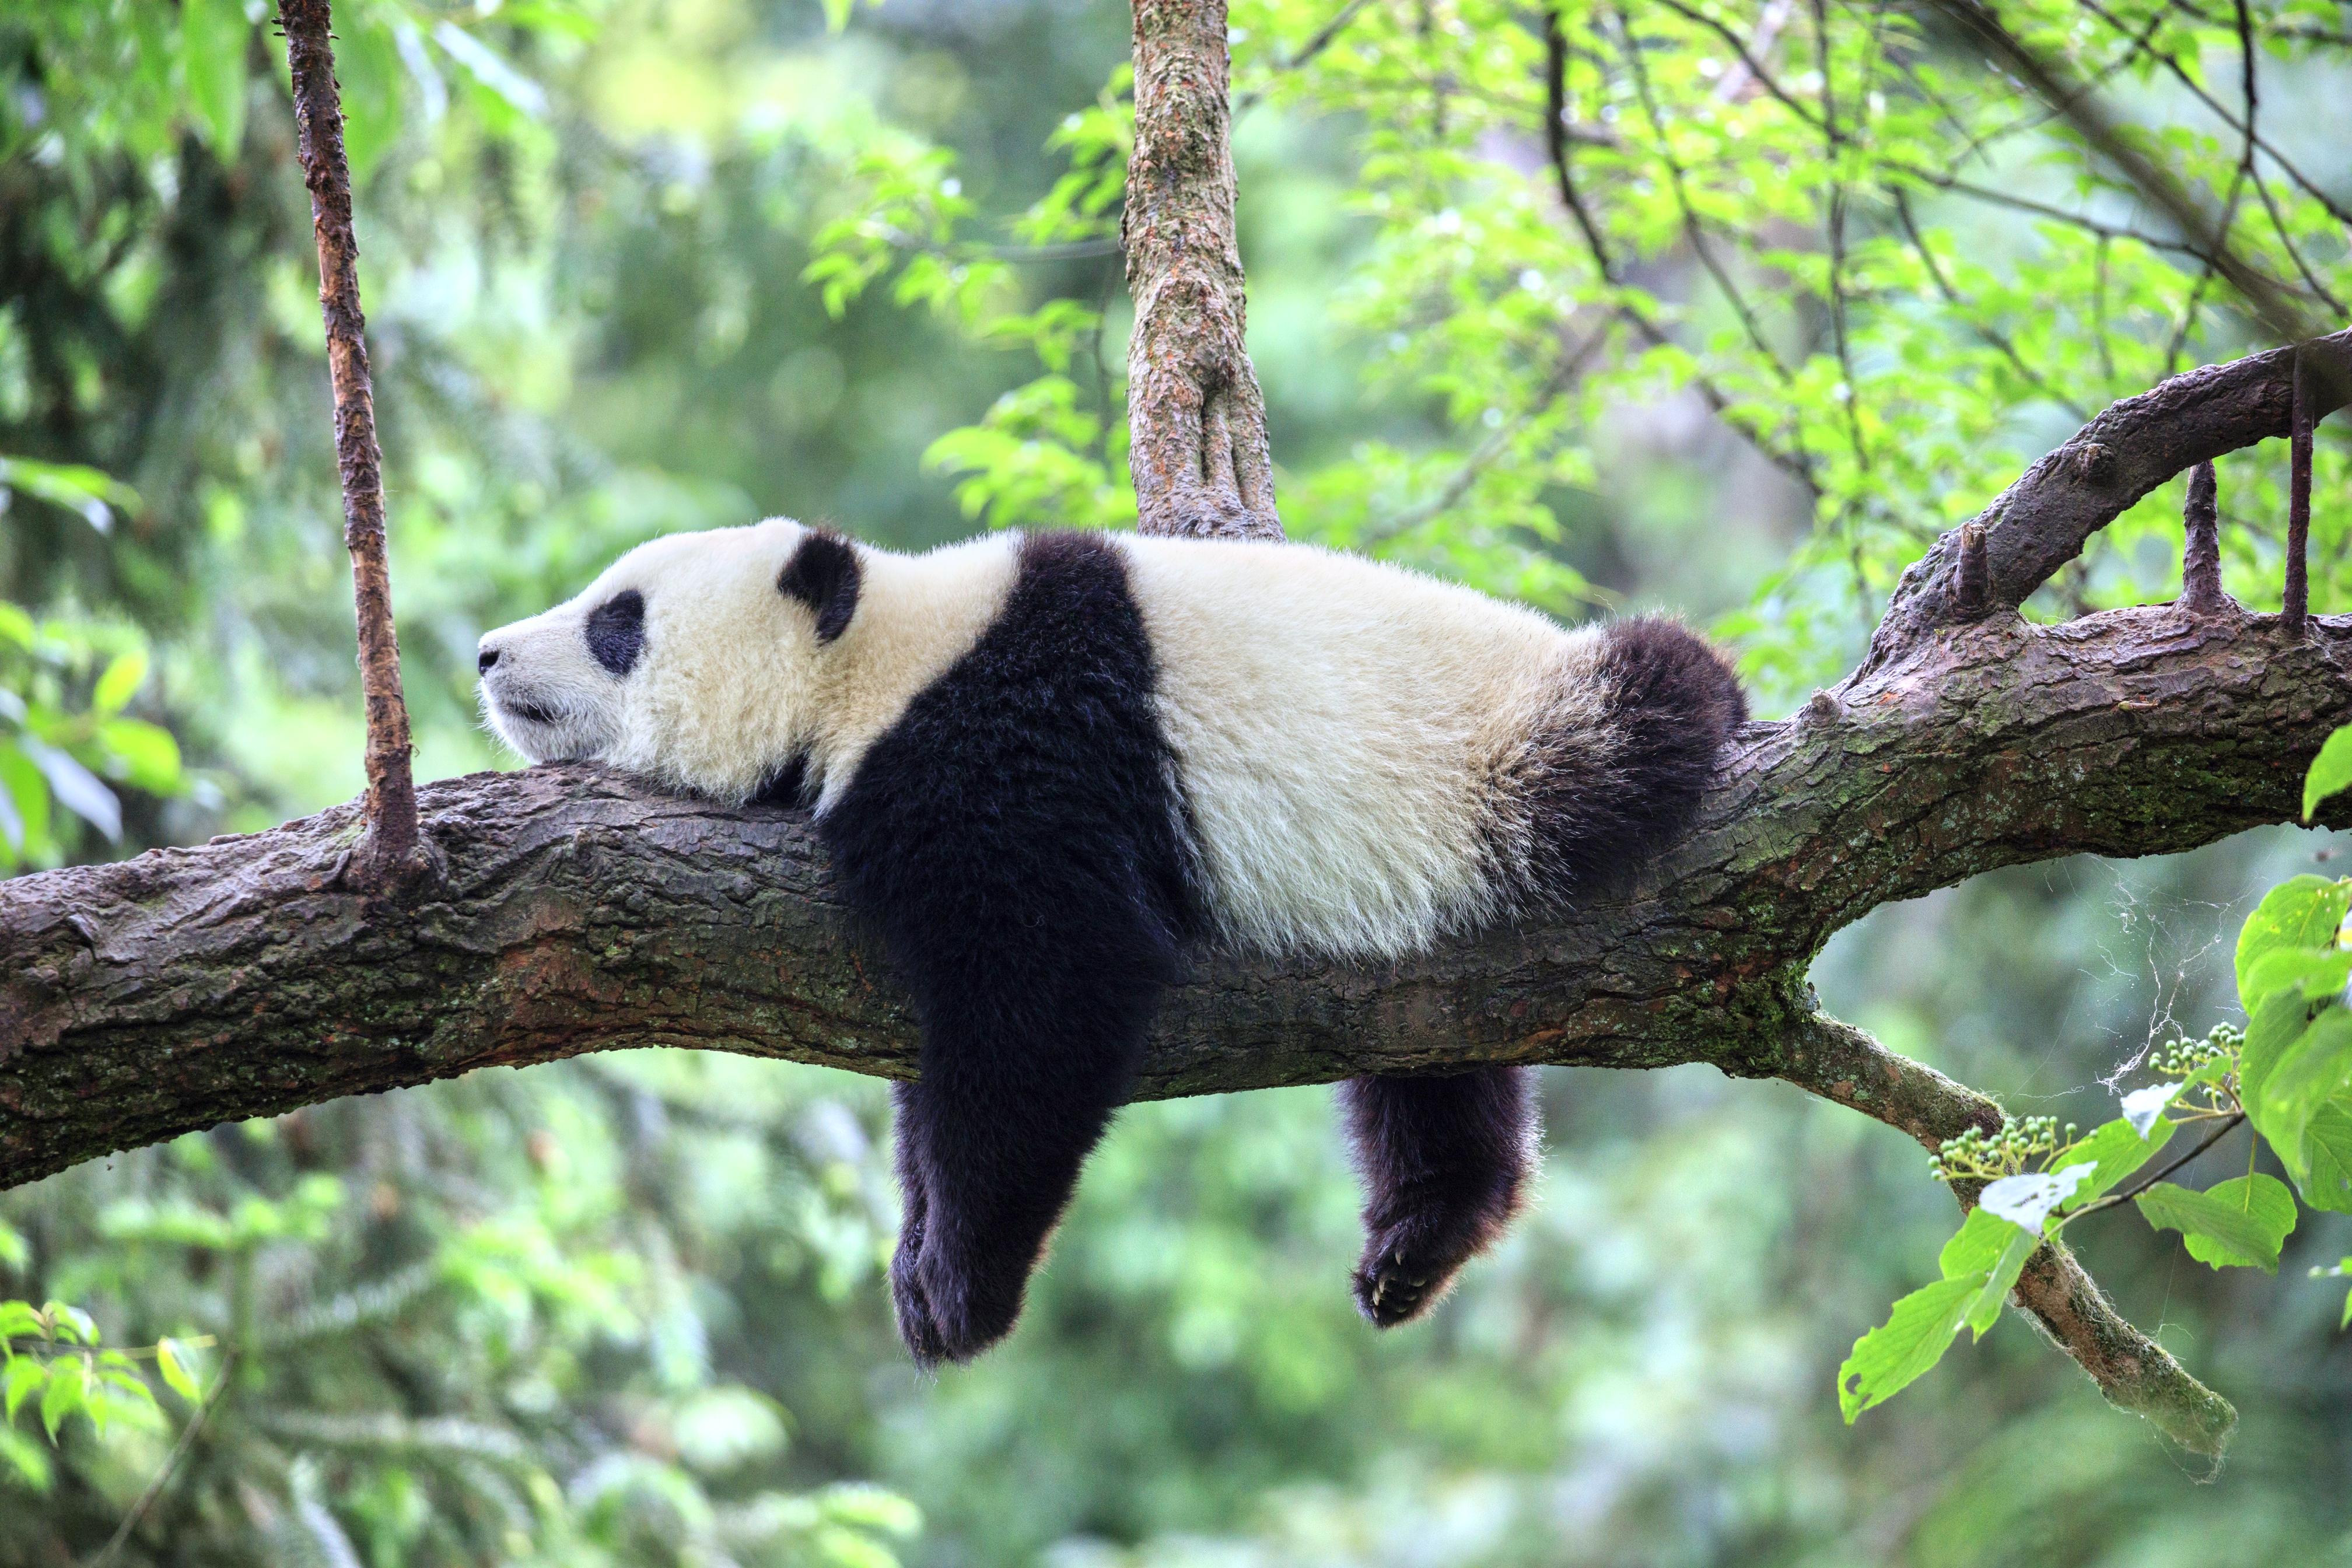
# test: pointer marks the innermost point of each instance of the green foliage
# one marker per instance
(633, 268)
(2287, 1075)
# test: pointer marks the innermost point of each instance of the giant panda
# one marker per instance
(1048, 767)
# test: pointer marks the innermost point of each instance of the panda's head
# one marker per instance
(699, 659)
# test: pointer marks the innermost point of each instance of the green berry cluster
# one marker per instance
(2178, 1058)
(1980, 1156)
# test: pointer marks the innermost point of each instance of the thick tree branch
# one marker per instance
(2042, 521)
(1198, 451)
(580, 912)
(392, 850)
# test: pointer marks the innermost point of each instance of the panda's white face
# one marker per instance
(684, 661)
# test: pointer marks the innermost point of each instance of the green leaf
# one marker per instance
(2300, 912)
(1984, 1309)
(1907, 1345)
(368, 69)
(2312, 972)
(120, 683)
(1976, 1245)
(2271, 1032)
(172, 1360)
(21, 1455)
(2311, 1069)
(2330, 773)
(2114, 1151)
(145, 753)
(65, 1394)
(20, 1321)
(2327, 1146)
(17, 1382)
(213, 38)
(2240, 1224)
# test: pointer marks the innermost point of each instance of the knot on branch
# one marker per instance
(1971, 575)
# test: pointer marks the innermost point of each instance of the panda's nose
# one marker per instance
(484, 659)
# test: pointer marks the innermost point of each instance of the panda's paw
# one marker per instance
(946, 1312)
(916, 1325)
(1408, 1266)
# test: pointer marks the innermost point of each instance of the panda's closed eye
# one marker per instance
(617, 631)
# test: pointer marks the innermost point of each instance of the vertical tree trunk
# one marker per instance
(392, 844)
(1199, 452)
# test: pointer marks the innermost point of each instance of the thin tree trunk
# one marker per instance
(1197, 450)
(391, 848)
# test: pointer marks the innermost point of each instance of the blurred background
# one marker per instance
(634, 266)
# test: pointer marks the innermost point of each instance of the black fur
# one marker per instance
(617, 632)
(1446, 1162)
(1670, 706)
(1016, 841)
(823, 574)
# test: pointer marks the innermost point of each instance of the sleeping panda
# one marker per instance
(1047, 766)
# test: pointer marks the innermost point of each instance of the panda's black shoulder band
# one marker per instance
(823, 574)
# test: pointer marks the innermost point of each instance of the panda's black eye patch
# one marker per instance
(617, 631)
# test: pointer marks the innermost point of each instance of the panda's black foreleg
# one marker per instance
(1446, 1163)
(990, 1145)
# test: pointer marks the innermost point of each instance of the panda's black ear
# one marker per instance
(822, 574)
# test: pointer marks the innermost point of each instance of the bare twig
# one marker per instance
(2200, 554)
(2297, 605)
(2122, 1195)
(393, 848)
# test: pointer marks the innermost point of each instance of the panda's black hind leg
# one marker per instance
(1446, 1163)
(987, 1167)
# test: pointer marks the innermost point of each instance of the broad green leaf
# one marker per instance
(1907, 1345)
(120, 683)
(2271, 1031)
(2314, 1068)
(213, 37)
(171, 1360)
(66, 1392)
(368, 69)
(21, 1320)
(2330, 773)
(2300, 912)
(2328, 1147)
(75, 786)
(1976, 1245)
(2241, 1223)
(2315, 971)
(21, 1455)
(1984, 1308)
(2114, 1152)
(145, 754)
(18, 1380)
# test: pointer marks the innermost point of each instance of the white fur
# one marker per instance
(1341, 726)
(1343, 729)
(732, 680)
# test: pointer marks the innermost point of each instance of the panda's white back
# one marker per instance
(1340, 726)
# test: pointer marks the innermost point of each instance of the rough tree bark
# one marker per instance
(580, 912)
(1197, 450)
(392, 848)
